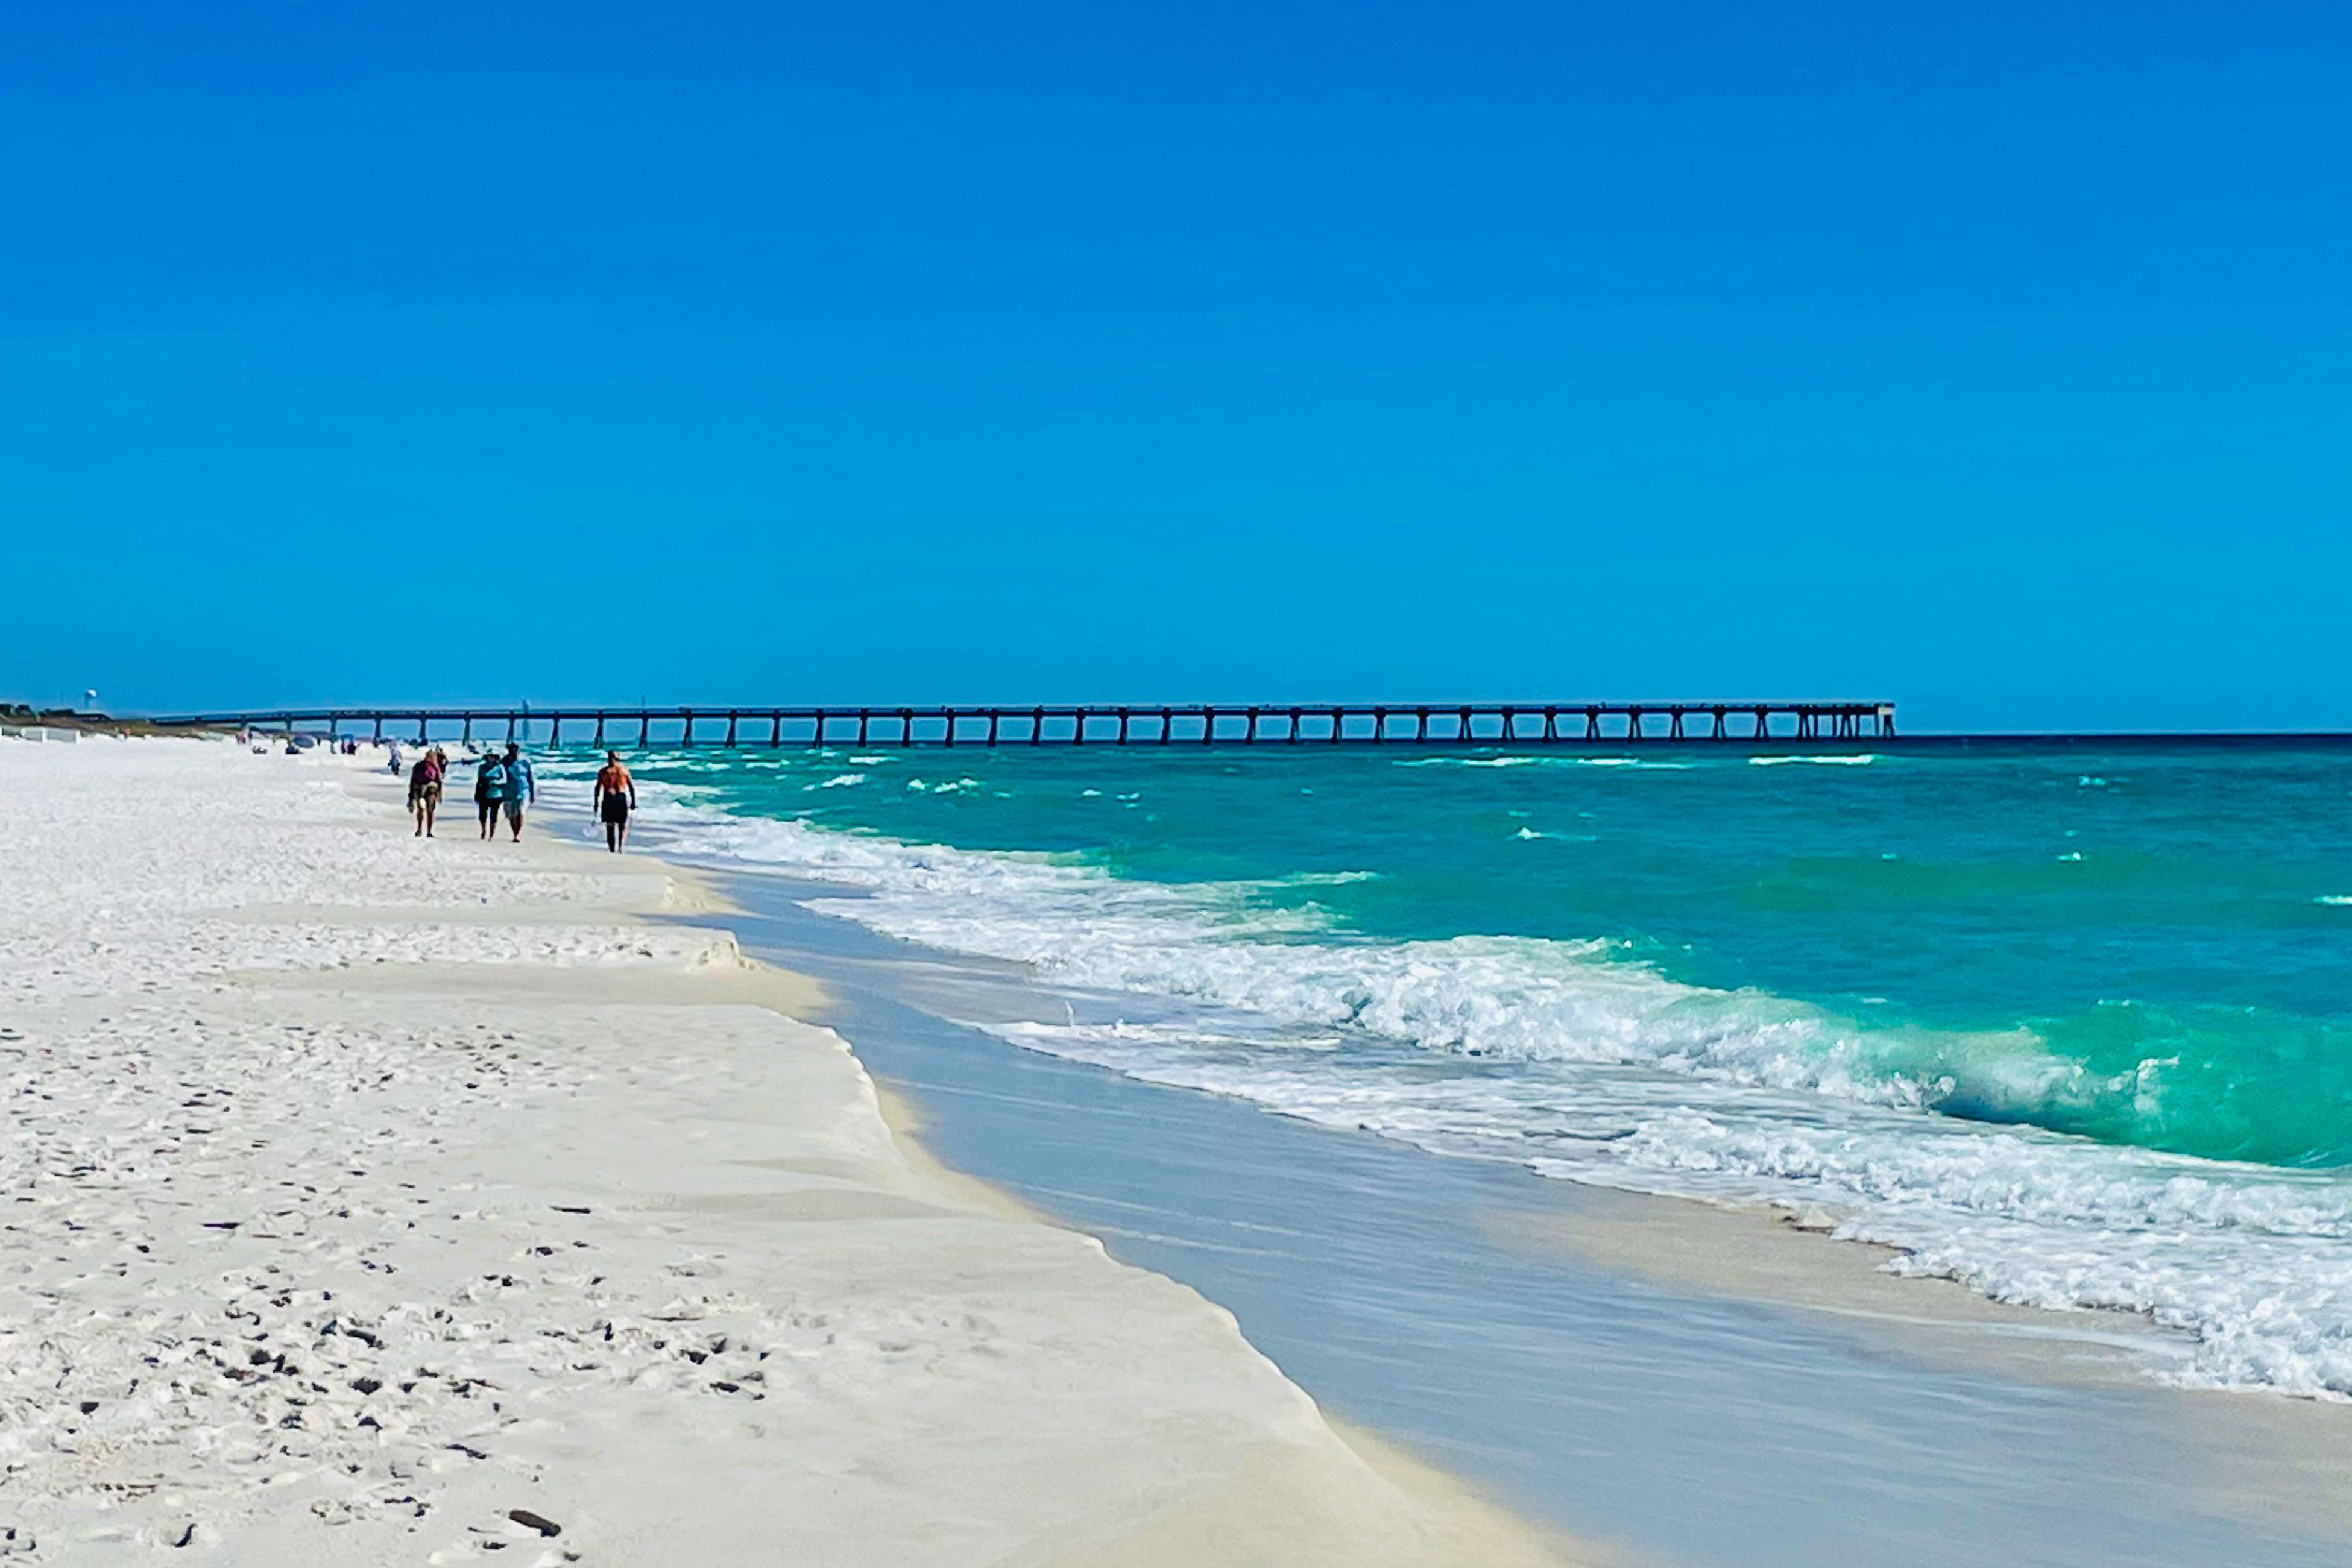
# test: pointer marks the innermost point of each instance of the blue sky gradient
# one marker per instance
(1992, 359)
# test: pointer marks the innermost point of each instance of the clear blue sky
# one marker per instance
(1993, 357)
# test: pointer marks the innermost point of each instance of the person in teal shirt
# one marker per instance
(516, 788)
(489, 789)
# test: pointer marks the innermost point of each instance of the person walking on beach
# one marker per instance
(424, 790)
(519, 787)
(489, 789)
(615, 797)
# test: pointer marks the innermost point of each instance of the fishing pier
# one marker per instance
(1239, 723)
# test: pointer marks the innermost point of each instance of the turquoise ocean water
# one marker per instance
(2071, 1025)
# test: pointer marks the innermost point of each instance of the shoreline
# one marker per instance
(690, 1298)
(1861, 1348)
(1718, 1247)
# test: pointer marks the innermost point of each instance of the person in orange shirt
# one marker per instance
(615, 797)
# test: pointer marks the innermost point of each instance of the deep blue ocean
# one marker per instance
(2071, 1025)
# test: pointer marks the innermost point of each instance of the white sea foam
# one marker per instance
(1513, 761)
(1587, 1064)
(1636, 763)
(1516, 761)
(1861, 760)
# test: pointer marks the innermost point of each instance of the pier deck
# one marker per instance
(1240, 723)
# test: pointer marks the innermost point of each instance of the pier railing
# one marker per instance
(1240, 723)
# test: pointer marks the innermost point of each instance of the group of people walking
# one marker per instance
(503, 785)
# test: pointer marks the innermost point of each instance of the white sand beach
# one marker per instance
(378, 1199)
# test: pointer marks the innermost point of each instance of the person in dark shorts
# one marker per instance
(615, 797)
(519, 788)
(490, 788)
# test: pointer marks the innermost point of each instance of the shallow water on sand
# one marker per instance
(1689, 1425)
